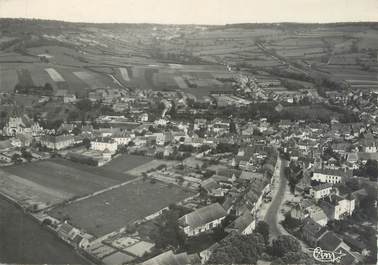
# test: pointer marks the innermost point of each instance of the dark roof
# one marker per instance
(65, 228)
(347, 259)
(329, 241)
(322, 186)
(312, 227)
(203, 215)
(169, 258)
(242, 222)
(209, 184)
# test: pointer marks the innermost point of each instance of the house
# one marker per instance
(102, 144)
(330, 175)
(317, 214)
(337, 207)
(123, 138)
(66, 128)
(57, 142)
(244, 224)
(321, 190)
(369, 145)
(307, 208)
(69, 98)
(312, 231)
(164, 138)
(212, 188)
(203, 219)
(169, 258)
(331, 242)
(68, 232)
(199, 124)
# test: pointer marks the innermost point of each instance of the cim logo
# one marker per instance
(326, 256)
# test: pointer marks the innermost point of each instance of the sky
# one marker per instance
(193, 11)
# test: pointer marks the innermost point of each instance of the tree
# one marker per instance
(48, 88)
(237, 248)
(76, 130)
(16, 158)
(87, 143)
(232, 127)
(84, 105)
(26, 154)
(263, 229)
(284, 244)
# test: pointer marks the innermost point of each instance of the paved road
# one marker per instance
(271, 216)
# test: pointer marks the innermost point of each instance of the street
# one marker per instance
(271, 216)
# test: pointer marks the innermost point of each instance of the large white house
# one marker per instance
(203, 219)
(337, 207)
(330, 176)
(57, 142)
(321, 191)
(103, 144)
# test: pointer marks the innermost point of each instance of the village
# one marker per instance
(216, 165)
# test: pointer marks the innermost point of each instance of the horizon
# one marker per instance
(193, 12)
(191, 24)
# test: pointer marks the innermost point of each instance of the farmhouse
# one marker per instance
(202, 220)
(57, 142)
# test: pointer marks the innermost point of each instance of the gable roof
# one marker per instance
(312, 227)
(242, 222)
(203, 215)
(168, 258)
(329, 241)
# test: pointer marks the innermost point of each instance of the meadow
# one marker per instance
(109, 211)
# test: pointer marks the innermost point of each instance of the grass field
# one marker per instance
(112, 210)
(66, 177)
(126, 162)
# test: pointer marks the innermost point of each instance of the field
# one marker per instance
(126, 162)
(29, 193)
(112, 210)
(54, 75)
(52, 181)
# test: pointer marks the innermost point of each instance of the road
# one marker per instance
(271, 216)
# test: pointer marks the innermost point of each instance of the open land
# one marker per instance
(112, 210)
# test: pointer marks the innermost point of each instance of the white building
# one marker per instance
(123, 138)
(337, 207)
(103, 144)
(330, 176)
(57, 142)
(203, 219)
(321, 191)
